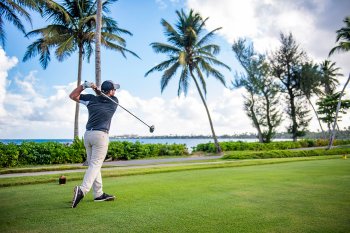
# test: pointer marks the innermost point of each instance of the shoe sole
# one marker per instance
(107, 199)
(76, 191)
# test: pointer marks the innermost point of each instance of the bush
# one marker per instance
(8, 155)
(285, 153)
(127, 150)
(256, 146)
(32, 153)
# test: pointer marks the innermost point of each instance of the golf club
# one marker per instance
(151, 128)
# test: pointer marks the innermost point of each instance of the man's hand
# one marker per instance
(87, 84)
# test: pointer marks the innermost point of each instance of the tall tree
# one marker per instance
(73, 28)
(343, 38)
(286, 64)
(12, 11)
(262, 99)
(192, 53)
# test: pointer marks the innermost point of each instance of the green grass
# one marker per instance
(303, 196)
(127, 171)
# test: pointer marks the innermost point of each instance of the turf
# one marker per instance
(304, 196)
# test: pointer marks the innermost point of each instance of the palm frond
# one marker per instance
(164, 48)
(207, 37)
(168, 74)
(201, 79)
(9, 13)
(66, 48)
(210, 49)
(112, 37)
(56, 12)
(162, 66)
(172, 36)
(106, 4)
(342, 47)
(214, 61)
(183, 82)
(211, 71)
(117, 48)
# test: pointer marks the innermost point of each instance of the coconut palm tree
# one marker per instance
(329, 74)
(191, 53)
(73, 28)
(310, 78)
(343, 38)
(12, 11)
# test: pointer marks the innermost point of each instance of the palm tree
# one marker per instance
(192, 53)
(11, 11)
(310, 78)
(343, 46)
(73, 28)
(329, 76)
(343, 38)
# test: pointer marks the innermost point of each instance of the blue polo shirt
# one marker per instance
(101, 111)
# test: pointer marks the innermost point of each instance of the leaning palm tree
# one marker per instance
(73, 28)
(12, 11)
(343, 38)
(329, 73)
(343, 34)
(310, 78)
(191, 53)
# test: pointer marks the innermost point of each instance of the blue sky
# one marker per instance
(34, 102)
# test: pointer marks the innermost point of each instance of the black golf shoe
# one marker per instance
(105, 197)
(78, 195)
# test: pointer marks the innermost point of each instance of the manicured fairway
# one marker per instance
(306, 196)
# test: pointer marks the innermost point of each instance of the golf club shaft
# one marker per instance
(124, 108)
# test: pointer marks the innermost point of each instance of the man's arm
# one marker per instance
(75, 95)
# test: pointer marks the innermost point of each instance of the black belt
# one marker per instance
(103, 130)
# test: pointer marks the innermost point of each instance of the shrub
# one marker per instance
(285, 153)
(256, 146)
(32, 153)
(8, 155)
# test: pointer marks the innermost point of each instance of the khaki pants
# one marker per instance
(96, 145)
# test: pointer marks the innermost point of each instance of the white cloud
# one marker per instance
(6, 63)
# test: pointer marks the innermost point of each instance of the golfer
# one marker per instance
(96, 138)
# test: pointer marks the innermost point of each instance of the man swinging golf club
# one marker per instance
(96, 138)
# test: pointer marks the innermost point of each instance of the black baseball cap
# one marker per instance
(109, 85)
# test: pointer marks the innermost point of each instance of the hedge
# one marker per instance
(285, 153)
(256, 146)
(32, 153)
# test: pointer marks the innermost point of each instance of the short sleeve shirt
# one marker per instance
(100, 110)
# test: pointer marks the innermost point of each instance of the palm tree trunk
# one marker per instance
(76, 118)
(98, 43)
(217, 145)
(336, 115)
(318, 119)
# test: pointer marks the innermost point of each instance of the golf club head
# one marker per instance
(151, 129)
